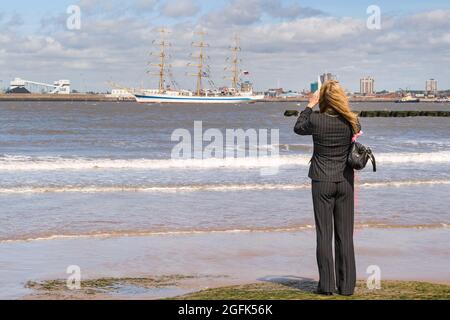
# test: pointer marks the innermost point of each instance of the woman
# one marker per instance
(332, 185)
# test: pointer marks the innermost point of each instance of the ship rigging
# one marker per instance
(237, 93)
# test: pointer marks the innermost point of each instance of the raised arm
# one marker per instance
(303, 126)
(359, 126)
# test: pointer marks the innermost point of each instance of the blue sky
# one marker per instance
(284, 41)
(35, 9)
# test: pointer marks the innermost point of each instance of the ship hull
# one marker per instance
(408, 101)
(196, 99)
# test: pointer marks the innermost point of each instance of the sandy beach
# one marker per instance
(188, 263)
(93, 185)
(178, 150)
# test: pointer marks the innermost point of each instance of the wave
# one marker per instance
(204, 187)
(24, 163)
(130, 234)
(167, 189)
(20, 163)
(126, 234)
(403, 183)
(414, 157)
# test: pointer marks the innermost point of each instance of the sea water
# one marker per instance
(99, 173)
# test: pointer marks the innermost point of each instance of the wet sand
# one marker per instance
(216, 260)
(272, 288)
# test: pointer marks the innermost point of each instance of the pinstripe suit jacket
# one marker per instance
(332, 136)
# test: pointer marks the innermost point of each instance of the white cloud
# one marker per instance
(180, 8)
(276, 8)
(236, 12)
(146, 4)
(431, 19)
(114, 43)
(247, 12)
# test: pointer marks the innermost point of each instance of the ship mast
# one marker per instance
(162, 56)
(201, 57)
(234, 63)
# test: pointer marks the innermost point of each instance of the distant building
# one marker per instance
(431, 86)
(274, 93)
(327, 77)
(290, 94)
(314, 86)
(18, 90)
(367, 85)
(19, 85)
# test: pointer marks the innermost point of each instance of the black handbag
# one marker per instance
(359, 156)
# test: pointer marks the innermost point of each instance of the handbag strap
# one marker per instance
(372, 159)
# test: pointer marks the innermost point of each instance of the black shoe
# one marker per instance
(324, 293)
(345, 294)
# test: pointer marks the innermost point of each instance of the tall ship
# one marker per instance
(239, 91)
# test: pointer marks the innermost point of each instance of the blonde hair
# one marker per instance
(333, 97)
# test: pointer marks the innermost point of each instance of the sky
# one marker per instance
(284, 43)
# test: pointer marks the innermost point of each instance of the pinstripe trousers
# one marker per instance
(335, 201)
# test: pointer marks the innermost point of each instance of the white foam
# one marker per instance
(163, 189)
(127, 234)
(19, 163)
(204, 187)
(415, 158)
(405, 183)
(124, 234)
(22, 163)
